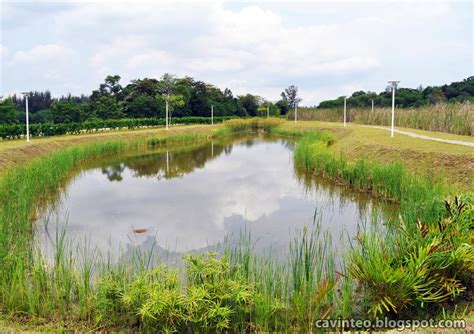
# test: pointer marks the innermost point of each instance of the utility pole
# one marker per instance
(212, 115)
(394, 88)
(26, 94)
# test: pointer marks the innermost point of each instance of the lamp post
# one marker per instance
(26, 94)
(345, 109)
(167, 98)
(394, 88)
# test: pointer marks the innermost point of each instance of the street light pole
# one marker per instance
(26, 94)
(345, 111)
(168, 97)
(394, 87)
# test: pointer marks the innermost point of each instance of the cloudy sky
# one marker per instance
(327, 49)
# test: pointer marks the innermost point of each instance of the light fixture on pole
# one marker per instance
(345, 109)
(394, 88)
(167, 98)
(296, 112)
(212, 115)
(26, 94)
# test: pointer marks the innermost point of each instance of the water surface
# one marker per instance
(193, 197)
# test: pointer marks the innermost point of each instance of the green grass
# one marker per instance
(422, 261)
(453, 163)
(426, 256)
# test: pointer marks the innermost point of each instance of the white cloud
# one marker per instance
(42, 53)
(3, 51)
(320, 47)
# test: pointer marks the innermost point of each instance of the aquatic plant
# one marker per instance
(423, 259)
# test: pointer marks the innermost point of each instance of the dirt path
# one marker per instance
(415, 135)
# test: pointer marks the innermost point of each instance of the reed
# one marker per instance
(455, 118)
(421, 260)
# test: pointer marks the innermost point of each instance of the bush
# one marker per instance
(50, 129)
(213, 299)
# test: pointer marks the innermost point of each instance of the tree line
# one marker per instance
(141, 98)
(407, 97)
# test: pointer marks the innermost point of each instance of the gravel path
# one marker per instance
(416, 135)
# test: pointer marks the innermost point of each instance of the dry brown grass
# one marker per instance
(456, 118)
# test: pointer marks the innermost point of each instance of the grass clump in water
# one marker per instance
(424, 258)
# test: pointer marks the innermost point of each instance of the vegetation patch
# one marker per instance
(420, 264)
(455, 118)
(14, 131)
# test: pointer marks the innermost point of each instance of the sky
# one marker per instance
(326, 49)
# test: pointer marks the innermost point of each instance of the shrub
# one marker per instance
(51, 129)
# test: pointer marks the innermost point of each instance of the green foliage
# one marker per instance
(250, 104)
(407, 97)
(410, 267)
(66, 111)
(290, 95)
(252, 124)
(425, 258)
(8, 113)
(141, 98)
(107, 107)
(96, 125)
(413, 266)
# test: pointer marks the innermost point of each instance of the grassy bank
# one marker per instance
(14, 152)
(418, 266)
(425, 258)
(453, 163)
(454, 118)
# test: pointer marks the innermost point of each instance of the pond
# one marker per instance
(193, 197)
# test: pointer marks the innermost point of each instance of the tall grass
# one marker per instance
(455, 118)
(424, 257)
(251, 124)
(27, 283)
(419, 196)
(424, 260)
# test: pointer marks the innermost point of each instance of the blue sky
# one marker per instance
(327, 49)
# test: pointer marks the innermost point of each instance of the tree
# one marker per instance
(283, 106)
(8, 112)
(290, 94)
(144, 106)
(250, 104)
(174, 101)
(111, 86)
(108, 107)
(66, 111)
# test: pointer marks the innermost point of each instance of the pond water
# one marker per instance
(193, 197)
